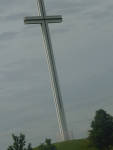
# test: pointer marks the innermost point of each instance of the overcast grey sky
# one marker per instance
(83, 48)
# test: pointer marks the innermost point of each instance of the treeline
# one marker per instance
(100, 135)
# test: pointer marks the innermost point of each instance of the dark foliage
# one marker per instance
(19, 143)
(101, 133)
(47, 145)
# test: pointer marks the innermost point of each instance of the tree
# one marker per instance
(19, 143)
(101, 133)
(47, 145)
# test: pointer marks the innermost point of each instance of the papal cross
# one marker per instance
(43, 20)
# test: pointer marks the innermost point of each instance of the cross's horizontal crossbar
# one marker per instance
(39, 19)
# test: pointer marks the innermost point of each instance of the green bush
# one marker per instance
(47, 145)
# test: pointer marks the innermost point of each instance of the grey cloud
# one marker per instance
(60, 30)
(7, 3)
(64, 7)
(13, 17)
(87, 9)
(67, 7)
(99, 14)
(8, 35)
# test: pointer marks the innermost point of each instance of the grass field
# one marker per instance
(81, 144)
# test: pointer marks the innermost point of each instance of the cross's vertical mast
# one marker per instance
(52, 67)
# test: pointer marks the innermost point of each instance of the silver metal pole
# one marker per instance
(44, 20)
(53, 75)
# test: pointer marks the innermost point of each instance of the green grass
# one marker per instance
(73, 145)
(81, 144)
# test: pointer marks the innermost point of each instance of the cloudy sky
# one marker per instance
(83, 49)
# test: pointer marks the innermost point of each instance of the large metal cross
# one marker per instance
(44, 20)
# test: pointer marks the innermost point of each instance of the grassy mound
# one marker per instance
(73, 145)
(82, 144)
